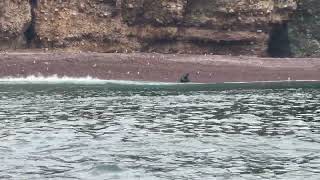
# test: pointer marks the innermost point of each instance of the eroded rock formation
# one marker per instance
(92, 25)
(235, 27)
(15, 17)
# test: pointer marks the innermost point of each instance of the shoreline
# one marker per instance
(159, 67)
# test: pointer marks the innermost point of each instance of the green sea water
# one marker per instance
(159, 131)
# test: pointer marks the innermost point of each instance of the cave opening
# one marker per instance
(30, 35)
(30, 32)
(279, 44)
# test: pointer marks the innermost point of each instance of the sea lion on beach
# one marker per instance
(184, 78)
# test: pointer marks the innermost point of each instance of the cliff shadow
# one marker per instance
(30, 33)
(279, 44)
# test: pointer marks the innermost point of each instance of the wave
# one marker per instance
(128, 85)
(55, 79)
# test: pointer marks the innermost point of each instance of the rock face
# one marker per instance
(227, 27)
(15, 17)
(304, 29)
(92, 25)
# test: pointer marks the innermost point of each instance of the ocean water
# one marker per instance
(54, 129)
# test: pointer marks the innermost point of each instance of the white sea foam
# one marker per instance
(49, 80)
(55, 79)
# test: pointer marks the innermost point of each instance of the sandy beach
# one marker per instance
(158, 67)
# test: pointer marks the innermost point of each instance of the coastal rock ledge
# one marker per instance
(224, 27)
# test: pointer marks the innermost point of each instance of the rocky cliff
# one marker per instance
(228, 27)
(304, 29)
(15, 18)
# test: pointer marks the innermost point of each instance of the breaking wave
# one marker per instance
(129, 85)
(55, 79)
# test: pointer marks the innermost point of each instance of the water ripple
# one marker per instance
(89, 132)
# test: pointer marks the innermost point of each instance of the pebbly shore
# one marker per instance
(158, 67)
